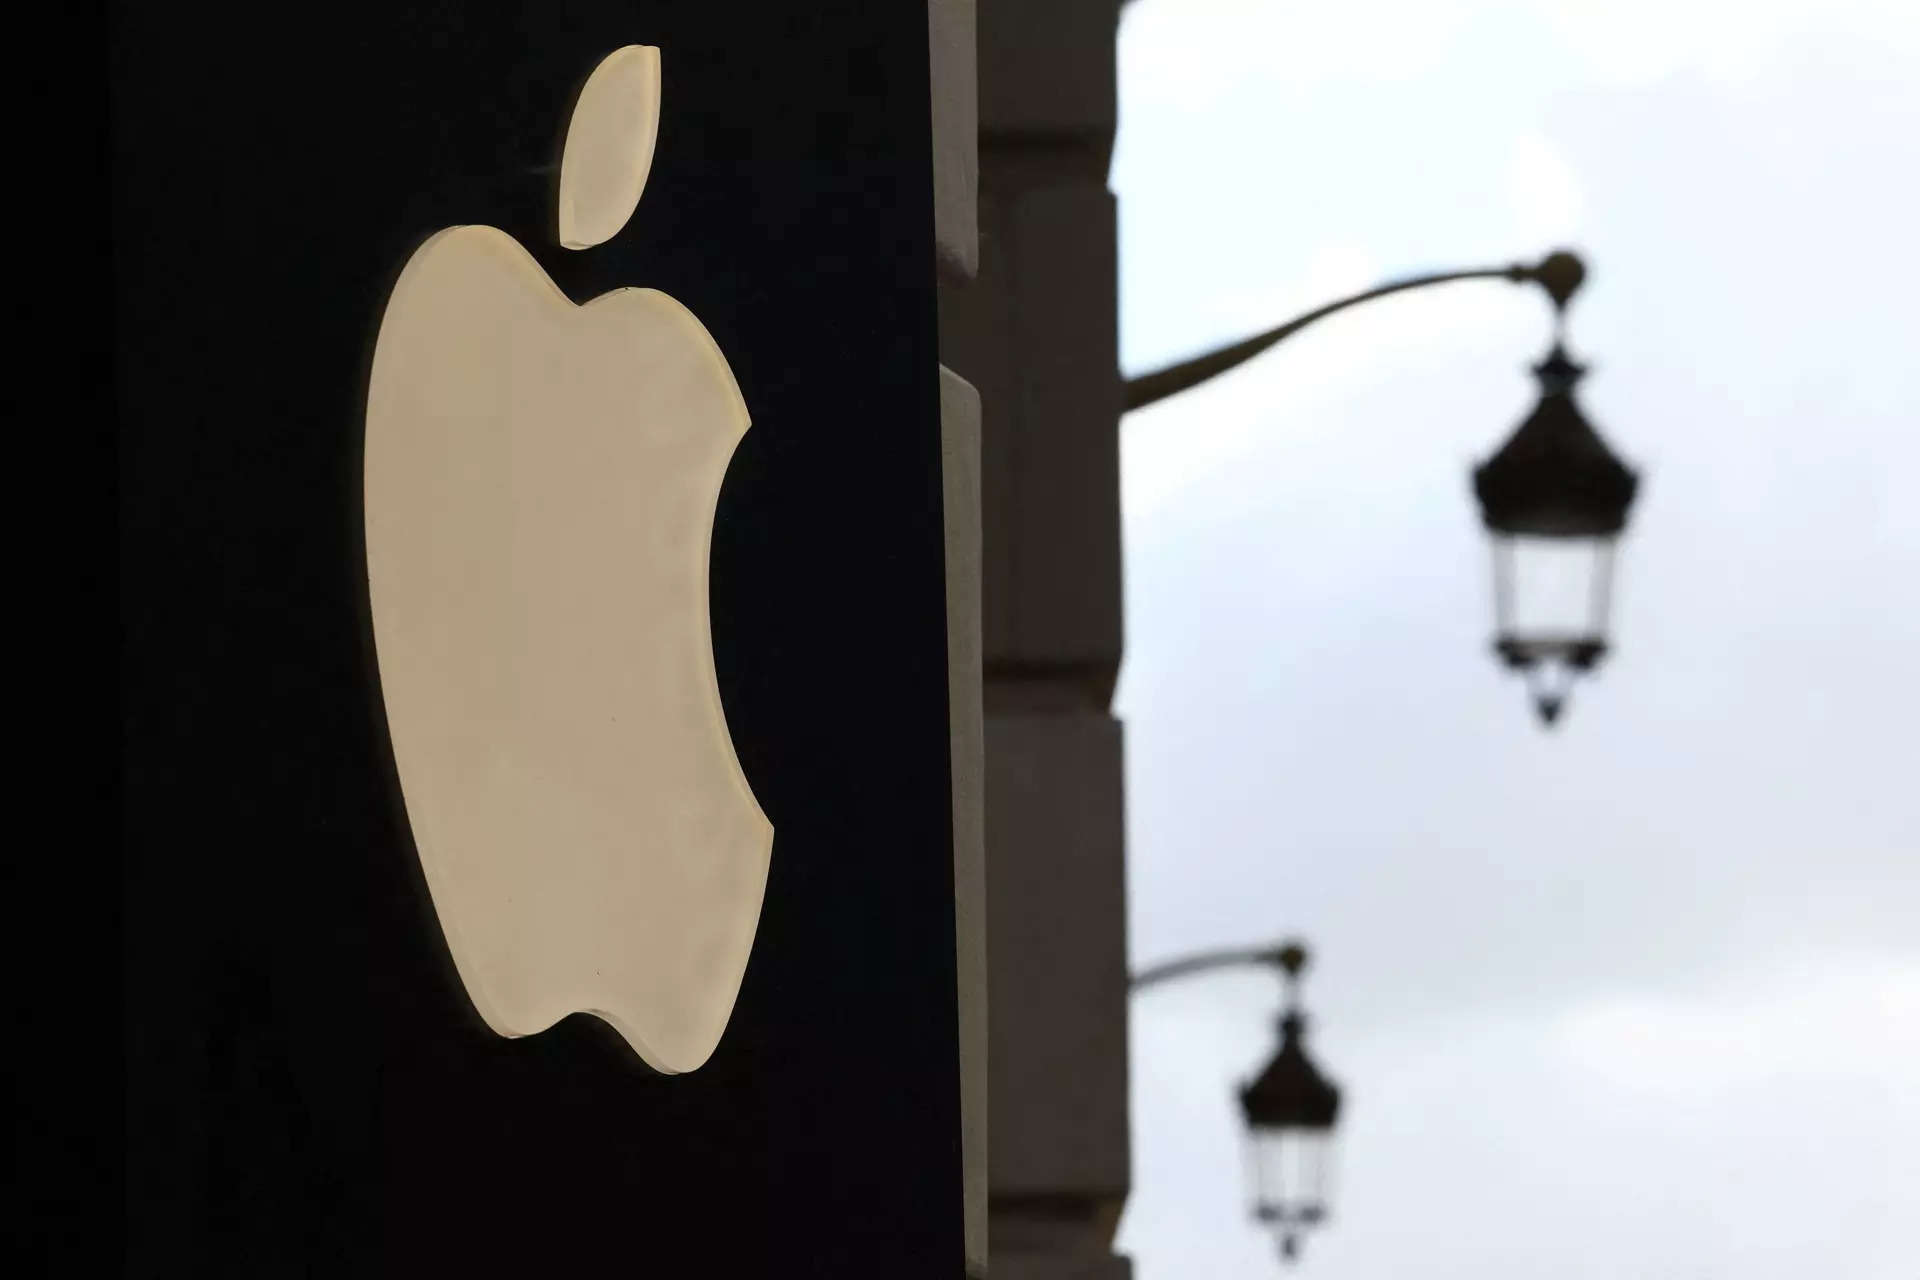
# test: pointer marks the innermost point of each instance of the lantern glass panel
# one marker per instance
(1290, 1175)
(1552, 592)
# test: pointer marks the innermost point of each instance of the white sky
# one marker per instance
(1642, 998)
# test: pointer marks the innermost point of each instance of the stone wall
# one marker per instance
(1028, 317)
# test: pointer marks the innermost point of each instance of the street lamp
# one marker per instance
(1290, 1108)
(1554, 498)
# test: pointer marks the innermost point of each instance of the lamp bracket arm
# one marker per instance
(1559, 273)
(1207, 962)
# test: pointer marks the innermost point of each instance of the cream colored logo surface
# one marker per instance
(540, 483)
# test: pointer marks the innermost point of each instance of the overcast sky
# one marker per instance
(1640, 998)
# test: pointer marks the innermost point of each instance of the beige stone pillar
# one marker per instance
(955, 116)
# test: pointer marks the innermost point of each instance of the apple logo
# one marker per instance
(540, 485)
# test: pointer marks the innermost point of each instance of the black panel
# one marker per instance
(308, 1090)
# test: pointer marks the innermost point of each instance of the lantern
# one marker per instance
(1290, 1110)
(1554, 499)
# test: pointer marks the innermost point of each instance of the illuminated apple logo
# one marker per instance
(540, 483)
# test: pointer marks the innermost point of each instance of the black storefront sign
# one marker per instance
(308, 1088)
